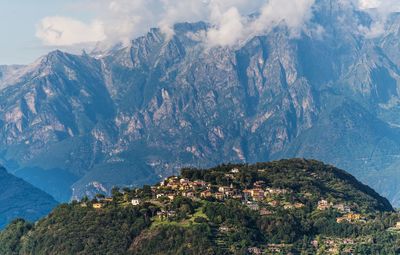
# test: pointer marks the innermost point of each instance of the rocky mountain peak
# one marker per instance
(136, 113)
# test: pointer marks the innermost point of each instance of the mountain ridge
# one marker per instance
(87, 123)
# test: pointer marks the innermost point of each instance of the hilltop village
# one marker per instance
(259, 198)
(255, 194)
(294, 206)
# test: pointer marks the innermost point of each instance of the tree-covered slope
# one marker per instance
(301, 177)
(297, 206)
(19, 199)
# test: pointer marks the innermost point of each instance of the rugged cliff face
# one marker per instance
(133, 114)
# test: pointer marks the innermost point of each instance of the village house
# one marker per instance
(264, 212)
(288, 206)
(258, 194)
(184, 184)
(224, 229)
(333, 250)
(348, 241)
(329, 242)
(273, 191)
(255, 194)
(230, 193)
(259, 184)
(342, 208)
(274, 203)
(253, 206)
(162, 214)
(160, 195)
(234, 170)
(171, 213)
(277, 248)
(224, 189)
(184, 187)
(173, 185)
(219, 195)
(237, 196)
(397, 225)
(135, 201)
(206, 194)
(165, 214)
(314, 243)
(189, 194)
(350, 217)
(227, 191)
(293, 206)
(230, 176)
(184, 181)
(247, 193)
(164, 182)
(324, 205)
(349, 250)
(97, 205)
(197, 184)
(254, 250)
(171, 196)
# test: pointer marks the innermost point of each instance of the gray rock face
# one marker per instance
(76, 125)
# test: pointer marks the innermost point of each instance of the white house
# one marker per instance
(135, 201)
(235, 170)
(160, 195)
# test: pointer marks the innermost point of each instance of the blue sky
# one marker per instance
(31, 28)
(34, 27)
(18, 20)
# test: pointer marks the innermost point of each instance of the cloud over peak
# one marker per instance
(122, 20)
(64, 31)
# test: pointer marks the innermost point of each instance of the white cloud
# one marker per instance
(231, 26)
(294, 14)
(380, 11)
(229, 29)
(369, 4)
(63, 31)
(123, 20)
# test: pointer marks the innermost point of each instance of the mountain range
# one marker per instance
(76, 125)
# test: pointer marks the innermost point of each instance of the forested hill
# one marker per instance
(20, 199)
(301, 177)
(297, 206)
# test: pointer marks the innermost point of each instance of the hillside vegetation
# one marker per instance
(299, 206)
(20, 199)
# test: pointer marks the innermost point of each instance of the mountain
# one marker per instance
(292, 206)
(79, 125)
(19, 199)
(8, 73)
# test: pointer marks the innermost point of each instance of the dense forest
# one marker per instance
(291, 206)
